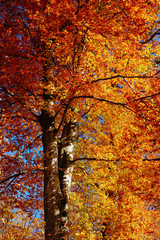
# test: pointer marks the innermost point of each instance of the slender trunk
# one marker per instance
(58, 156)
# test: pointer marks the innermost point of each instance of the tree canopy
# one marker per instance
(80, 99)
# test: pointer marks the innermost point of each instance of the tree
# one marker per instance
(18, 225)
(80, 78)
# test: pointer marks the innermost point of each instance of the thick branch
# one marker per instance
(152, 159)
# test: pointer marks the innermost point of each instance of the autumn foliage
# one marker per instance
(80, 98)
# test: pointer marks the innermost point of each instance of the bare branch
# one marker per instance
(152, 36)
(101, 100)
(13, 176)
(30, 144)
(121, 8)
(22, 103)
(151, 159)
(94, 159)
(113, 103)
(121, 76)
(134, 90)
(149, 96)
(8, 185)
(105, 79)
(20, 117)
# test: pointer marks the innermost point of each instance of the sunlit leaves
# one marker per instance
(96, 63)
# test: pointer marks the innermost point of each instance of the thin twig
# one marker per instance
(94, 159)
(30, 144)
(149, 96)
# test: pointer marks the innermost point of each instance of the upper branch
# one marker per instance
(153, 159)
(152, 36)
(101, 100)
(22, 103)
(14, 177)
(121, 76)
(95, 159)
(149, 96)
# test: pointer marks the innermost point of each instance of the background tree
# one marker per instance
(16, 224)
(81, 78)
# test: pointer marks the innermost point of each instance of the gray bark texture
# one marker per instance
(58, 168)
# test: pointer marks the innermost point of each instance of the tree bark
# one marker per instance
(58, 168)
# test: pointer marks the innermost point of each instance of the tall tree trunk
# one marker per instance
(58, 156)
